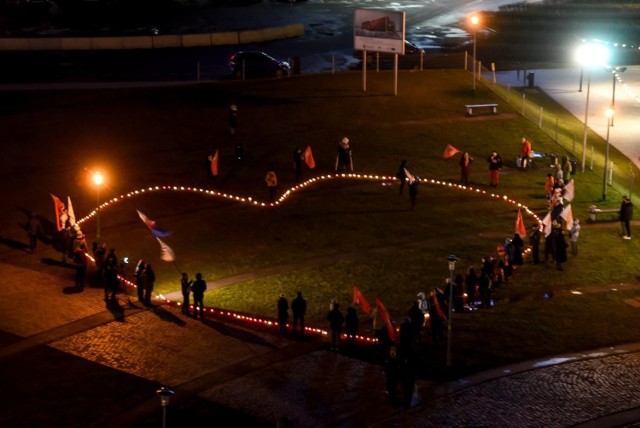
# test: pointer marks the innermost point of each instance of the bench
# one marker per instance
(594, 211)
(492, 108)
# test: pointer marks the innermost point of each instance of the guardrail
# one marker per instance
(151, 42)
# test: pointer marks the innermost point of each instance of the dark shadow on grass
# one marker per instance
(116, 310)
(237, 333)
(58, 263)
(15, 245)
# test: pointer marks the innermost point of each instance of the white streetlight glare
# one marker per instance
(589, 55)
(98, 179)
(475, 20)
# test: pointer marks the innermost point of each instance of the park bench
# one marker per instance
(594, 211)
(486, 108)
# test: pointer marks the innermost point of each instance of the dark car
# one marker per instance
(254, 64)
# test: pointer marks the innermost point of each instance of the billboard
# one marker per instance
(379, 30)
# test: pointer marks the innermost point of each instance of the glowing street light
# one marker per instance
(98, 179)
(615, 71)
(589, 55)
(474, 22)
(452, 267)
(609, 113)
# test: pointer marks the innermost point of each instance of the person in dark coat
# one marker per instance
(626, 213)
(484, 287)
(336, 319)
(437, 316)
(471, 281)
(351, 326)
(233, 119)
(185, 284)
(401, 174)
(344, 160)
(560, 245)
(139, 280)
(298, 308)
(392, 374)
(148, 281)
(99, 254)
(198, 288)
(495, 164)
(408, 380)
(417, 319)
(534, 240)
(518, 245)
(34, 231)
(298, 162)
(283, 313)
(111, 275)
(80, 259)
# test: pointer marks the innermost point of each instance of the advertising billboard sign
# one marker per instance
(379, 30)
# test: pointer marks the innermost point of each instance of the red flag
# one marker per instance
(387, 319)
(61, 215)
(308, 158)
(439, 311)
(449, 151)
(358, 299)
(214, 164)
(520, 228)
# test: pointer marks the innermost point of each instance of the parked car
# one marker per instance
(255, 64)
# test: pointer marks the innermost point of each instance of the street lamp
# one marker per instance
(474, 23)
(615, 71)
(609, 112)
(588, 55)
(165, 394)
(452, 267)
(98, 179)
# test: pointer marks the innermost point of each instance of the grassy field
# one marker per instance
(364, 231)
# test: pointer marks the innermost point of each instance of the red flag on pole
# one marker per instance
(214, 164)
(358, 299)
(387, 319)
(520, 228)
(308, 158)
(61, 215)
(449, 151)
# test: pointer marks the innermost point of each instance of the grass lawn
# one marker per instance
(148, 137)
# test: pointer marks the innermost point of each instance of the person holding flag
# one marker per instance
(465, 167)
(298, 161)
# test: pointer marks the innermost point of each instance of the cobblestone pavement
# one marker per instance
(263, 375)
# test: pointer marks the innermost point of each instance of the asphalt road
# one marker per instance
(327, 44)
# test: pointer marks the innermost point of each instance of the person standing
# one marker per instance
(344, 160)
(465, 167)
(298, 307)
(401, 174)
(574, 233)
(148, 281)
(185, 284)
(198, 288)
(233, 119)
(336, 319)
(549, 186)
(525, 153)
(34, 231)
(138, 274)
(518, 245)
(495, 164)
(283, 313)
(534, 241)
(351, 326)
(272, 184)
(298, 162)
(80, 259)
(626, 213)
(111, 275)
(471, 281)
(99, 253)
(559, 245)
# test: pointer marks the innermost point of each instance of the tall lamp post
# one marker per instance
(165, 394)
(615, 72)
(609, 112)
(589, 55)
(452, 267)
(474, 24)
(98, 179)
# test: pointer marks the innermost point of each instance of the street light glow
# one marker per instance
(592, 54)
(475, 20)
(98, 179)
